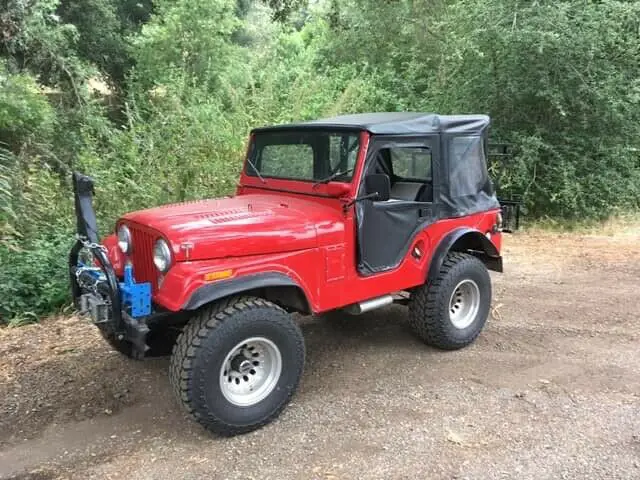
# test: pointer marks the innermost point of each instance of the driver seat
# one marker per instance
(407, 191)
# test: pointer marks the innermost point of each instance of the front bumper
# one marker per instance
(120, 309)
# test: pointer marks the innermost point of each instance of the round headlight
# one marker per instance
(124, 239)
(162, 255)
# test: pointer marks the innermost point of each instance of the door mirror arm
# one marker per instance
(368, 196)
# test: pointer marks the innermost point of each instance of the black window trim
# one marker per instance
(249, 171)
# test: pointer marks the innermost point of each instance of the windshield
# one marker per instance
(313, 156)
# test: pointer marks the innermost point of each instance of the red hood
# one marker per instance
(243, 225)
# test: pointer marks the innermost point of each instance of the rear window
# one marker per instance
(467, 166)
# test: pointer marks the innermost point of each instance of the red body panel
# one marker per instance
(284, 226)
(327, 274)
(240, 226)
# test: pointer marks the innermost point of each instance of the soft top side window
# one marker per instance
(409, 169)
(411, 163)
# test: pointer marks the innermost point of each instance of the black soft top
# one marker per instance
(393, 123)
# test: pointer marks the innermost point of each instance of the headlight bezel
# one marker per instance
(125, 240)
(162, 256)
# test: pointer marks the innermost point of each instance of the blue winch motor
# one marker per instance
(136, 295)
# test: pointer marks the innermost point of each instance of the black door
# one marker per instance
(387, 228)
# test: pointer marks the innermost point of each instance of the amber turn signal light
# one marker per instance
(219, 275)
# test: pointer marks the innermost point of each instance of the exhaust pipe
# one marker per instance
(368, 305)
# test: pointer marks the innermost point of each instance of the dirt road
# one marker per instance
(550, 390)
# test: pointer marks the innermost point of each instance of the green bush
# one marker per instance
(25, 112)
(34, 280)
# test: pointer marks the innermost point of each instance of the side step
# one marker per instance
(368, 305)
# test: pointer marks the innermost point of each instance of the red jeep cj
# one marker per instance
(346, 214)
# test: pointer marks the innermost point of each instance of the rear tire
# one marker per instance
(236, 364)
(450, 312)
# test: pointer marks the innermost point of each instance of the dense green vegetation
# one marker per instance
(155, 100)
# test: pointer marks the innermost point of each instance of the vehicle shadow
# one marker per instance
(93, 381)
(385, 326)
(368, 347)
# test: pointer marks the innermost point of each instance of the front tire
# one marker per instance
(450, 312)
(236, 364)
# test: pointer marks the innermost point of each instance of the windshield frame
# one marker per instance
(252, 158)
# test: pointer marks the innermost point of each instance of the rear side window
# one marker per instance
(467, 166)
(411, 163)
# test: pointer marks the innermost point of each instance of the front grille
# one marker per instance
(142, 256)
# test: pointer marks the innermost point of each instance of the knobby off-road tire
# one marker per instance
(450, 312)
(236, 364)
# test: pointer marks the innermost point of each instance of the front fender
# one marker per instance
(185, 287)
(225, 288)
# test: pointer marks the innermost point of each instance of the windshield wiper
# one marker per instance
(255, 169)
(333, 176)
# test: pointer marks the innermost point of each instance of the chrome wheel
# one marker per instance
(250, 371)
(464, 304)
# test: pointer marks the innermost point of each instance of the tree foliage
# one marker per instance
(155, 99)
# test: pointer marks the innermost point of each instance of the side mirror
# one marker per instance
(378, 183)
